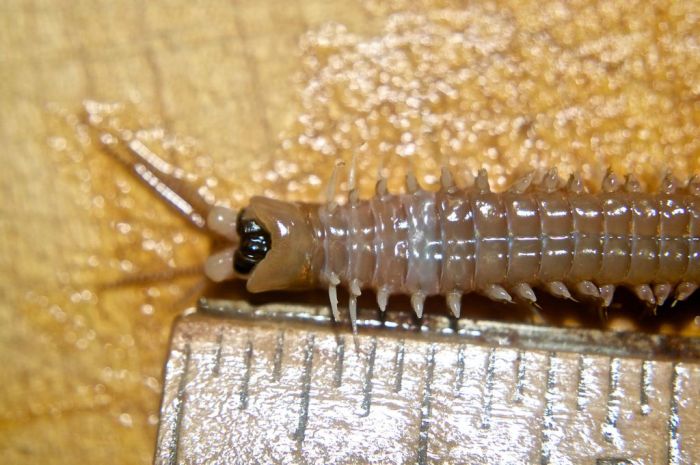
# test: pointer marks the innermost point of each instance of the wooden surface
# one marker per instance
(271, 109)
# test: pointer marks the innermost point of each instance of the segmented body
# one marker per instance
(454, 242)
(562, 239)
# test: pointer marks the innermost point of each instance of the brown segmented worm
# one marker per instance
(453, 242)
(562, 239)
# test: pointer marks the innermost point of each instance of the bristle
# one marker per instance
(587, 290)
(661, 293)
(575, 184)
(611, 183)
(353, 195)
(497, 293)
(333, 297)
(684, 290)
(607, 292)
(645, 294)
(417, 302)
(669, 184)
(446, 181)
(352, 310)
(525, 293)
(332, 185)
(411, 183)
(693, 187)
(355, 292)
(481, 183)
(550, 182)
(558, 289)
(355, 288)
(522, 184)
(382, 298)
(334, 279)
(632, 184)
(381, 188)
(454, 302)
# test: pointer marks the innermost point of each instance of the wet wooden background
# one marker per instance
(507, 85)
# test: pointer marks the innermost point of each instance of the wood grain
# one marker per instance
(82, 360)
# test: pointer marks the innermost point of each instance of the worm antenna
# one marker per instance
(169, 183)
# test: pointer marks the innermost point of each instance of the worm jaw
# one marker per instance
(288, 263)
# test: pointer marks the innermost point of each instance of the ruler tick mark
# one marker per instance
(247, 362)
(610, 431)
(181, 398)
(279, 353)
(459, 381)
(398, 366)
(548, 413)
(519, 378)
(488, 389)
(339, 360)
(580, 383)
(645, 381)
(217, 357)
(300, 432)
(425, 411)
(674, 420)
(367, 390)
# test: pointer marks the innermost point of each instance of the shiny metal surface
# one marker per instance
(282, 384)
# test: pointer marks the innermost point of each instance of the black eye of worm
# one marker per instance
(254, 245)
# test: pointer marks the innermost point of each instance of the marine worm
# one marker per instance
(561, 239)
(550, 235)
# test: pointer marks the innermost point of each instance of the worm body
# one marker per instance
(561, 239)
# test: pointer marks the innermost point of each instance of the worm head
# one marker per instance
(274, 244)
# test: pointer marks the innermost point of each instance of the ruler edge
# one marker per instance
(586, 341)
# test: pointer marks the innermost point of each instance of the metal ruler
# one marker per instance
(283, 384)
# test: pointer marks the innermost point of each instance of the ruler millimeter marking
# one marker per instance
(315, 394)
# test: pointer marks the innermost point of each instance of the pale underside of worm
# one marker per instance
(550, 235)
